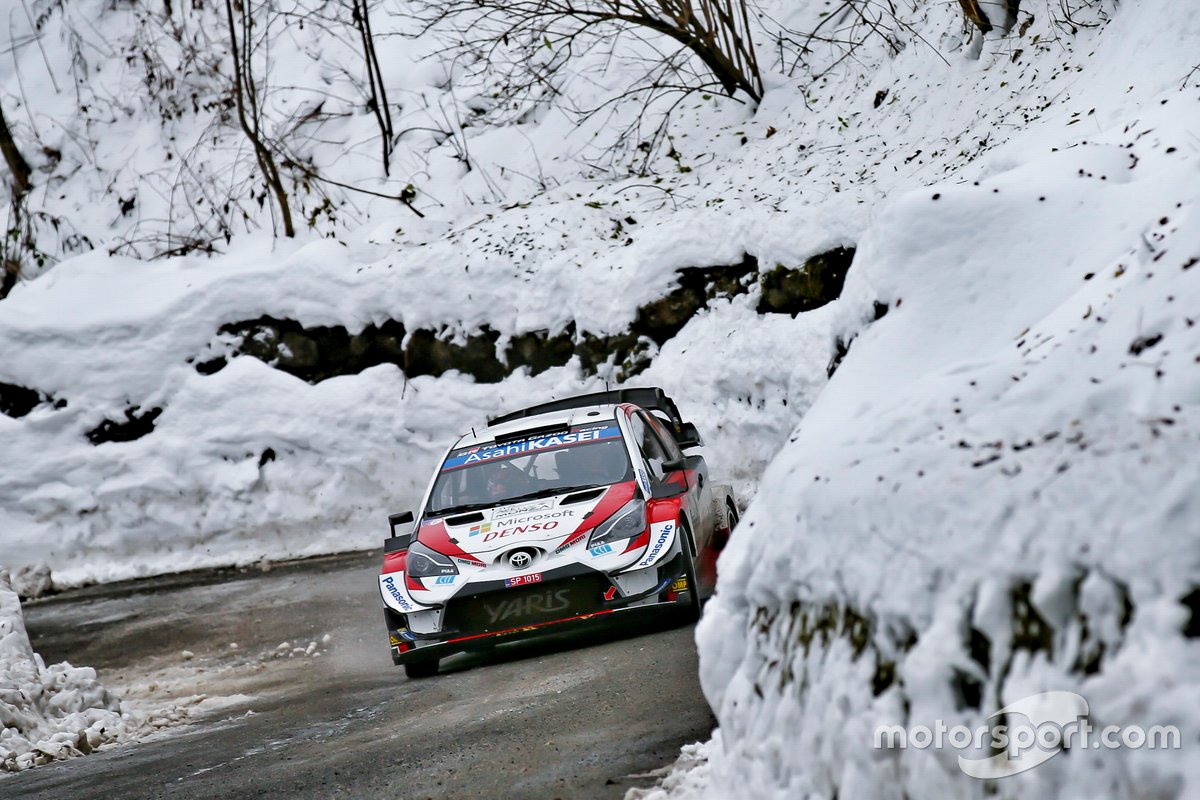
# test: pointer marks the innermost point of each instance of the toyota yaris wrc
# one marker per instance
(560, 515)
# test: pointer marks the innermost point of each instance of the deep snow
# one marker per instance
(1011, 432)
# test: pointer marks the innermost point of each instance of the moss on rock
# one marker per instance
(817, 282)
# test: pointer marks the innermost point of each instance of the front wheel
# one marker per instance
(421, 669)
(690, 612)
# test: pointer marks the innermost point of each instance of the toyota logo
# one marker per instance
(520, 560)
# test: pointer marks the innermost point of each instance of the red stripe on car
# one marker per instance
(642, 540)
(617, 495)
(588, 615)
(395, 562)
(434, 535)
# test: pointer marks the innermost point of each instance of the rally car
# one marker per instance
(564, 514)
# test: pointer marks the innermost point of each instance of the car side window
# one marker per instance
(650, 447)
(447, 490)
(665, 438)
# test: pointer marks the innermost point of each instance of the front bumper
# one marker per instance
(481, 620)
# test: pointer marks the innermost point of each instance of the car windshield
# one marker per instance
(482, 476)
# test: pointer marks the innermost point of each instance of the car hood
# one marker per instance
(551, 524)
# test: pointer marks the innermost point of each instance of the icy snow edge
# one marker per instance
(51, 712)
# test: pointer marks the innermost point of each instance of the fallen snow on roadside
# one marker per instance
(685, 779)
(58, 711)
(294, 649)
(49, 712)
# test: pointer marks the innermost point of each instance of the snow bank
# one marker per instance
(687, 777)
(996, 494)
(251, 463)
(48, 713)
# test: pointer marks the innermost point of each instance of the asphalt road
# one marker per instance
(573, 718)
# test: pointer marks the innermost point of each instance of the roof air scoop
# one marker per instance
(584, 496)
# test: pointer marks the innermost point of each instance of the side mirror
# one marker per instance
(676, 465)
(398, 521)
(402, 525)
(665, 491)
(688, 436)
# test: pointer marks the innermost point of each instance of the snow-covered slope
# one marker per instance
(998, 493)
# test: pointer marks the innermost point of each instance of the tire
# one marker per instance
(691, 612)
(725, 519)
(417, 670)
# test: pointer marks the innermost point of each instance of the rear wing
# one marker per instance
(649, 398)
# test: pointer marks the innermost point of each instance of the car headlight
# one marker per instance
(629, 521)
(425, 563)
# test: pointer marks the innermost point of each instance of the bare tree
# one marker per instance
(245, 95)
(1003, 14)
(378, 102)
(521, 46)
(18, 167)
(17, 237)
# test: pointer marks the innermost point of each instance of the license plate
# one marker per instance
(523, 580)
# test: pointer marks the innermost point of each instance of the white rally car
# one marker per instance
(563, 514)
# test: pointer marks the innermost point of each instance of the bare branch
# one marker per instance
(519, 49)
(18, 167)
(243, 91)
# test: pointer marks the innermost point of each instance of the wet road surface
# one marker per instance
(328, 715)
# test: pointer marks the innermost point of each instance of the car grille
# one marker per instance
(529, 605)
